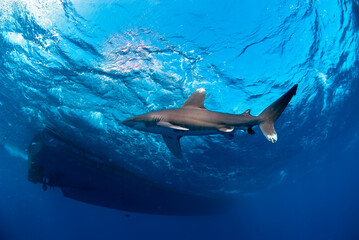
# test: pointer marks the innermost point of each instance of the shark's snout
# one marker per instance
(129, 122)
(135, 123)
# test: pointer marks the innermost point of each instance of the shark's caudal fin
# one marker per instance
(273, 112)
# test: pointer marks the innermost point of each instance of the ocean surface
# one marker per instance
(81, 67)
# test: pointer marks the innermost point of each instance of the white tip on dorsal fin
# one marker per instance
(196, 99)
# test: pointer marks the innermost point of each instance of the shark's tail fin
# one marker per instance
(273, 112)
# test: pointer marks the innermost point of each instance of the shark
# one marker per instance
(194, 119)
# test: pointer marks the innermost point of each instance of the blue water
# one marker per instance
(81, 67)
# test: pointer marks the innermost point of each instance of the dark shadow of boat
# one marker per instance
(54, 162)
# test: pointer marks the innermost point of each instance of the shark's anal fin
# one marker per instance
(170, 125)
(173, 144)
(250, 131)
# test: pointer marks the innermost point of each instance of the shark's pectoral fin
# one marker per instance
(173, 144)
(170, 125)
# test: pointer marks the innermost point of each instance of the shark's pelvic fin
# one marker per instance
(196, 99)
(226, 129)
(170, 125)
(173, 144)
(273, 112)
(228, 132)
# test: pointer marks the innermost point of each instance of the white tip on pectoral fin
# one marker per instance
(170, 125)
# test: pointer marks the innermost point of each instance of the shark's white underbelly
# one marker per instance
(174, 132)
(197, 132)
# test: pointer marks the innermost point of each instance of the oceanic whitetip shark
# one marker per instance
(193, 119)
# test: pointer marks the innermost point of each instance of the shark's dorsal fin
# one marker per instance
(173, 144)
(247, 112)
(196, 99)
